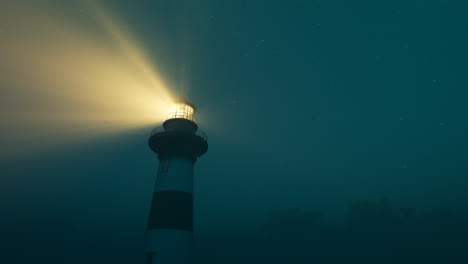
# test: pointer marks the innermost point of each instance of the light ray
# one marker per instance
(65, 78)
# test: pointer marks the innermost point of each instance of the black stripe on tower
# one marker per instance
(171, 210)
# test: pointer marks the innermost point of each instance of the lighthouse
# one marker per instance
(178, 144)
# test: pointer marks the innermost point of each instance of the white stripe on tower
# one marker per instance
(175, 174)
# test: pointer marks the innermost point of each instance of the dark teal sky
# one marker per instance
(307, 104)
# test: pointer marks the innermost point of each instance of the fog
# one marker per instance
(336, 129)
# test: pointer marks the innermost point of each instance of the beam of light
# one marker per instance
(66, 78)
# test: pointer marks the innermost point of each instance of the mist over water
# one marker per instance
(68, 76)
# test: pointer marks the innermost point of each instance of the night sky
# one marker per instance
(308, 106)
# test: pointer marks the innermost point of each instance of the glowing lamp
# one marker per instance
(181, 117)
(182, 109)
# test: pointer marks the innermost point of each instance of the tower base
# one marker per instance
(169, 246)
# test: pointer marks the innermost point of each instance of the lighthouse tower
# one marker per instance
(178, 144)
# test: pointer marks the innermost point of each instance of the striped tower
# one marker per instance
(178, 144)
